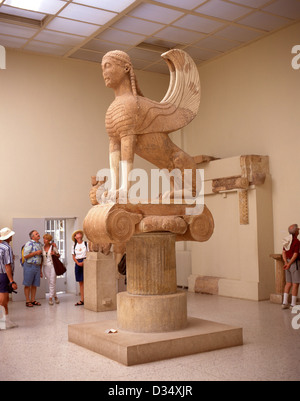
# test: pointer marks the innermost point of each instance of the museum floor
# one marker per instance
(38, 349)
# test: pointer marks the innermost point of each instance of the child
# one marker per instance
(79, 252)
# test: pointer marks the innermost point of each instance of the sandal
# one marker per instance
(35, 303)
(29, 304)
(80, 303)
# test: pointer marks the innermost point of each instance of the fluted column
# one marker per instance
(152, 303)
(151, 264)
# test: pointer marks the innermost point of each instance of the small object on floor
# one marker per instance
(111, 331)
(80, 303)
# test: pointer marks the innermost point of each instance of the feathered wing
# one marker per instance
(181, 103)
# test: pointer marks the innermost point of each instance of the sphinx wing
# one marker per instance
(181, 103)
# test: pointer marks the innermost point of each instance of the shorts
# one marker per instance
(79, 271)
(32, 275)
(4, 282)
(292, 275)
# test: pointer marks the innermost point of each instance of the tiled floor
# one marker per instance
(38, 349)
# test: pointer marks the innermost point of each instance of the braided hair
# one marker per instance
(121, 58)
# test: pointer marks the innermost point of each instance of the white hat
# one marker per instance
(6, 233)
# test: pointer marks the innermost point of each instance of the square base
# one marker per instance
(131, 349)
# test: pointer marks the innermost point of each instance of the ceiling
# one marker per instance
(87, 29)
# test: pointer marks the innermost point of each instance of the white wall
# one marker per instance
(53, 137)
(250, 105)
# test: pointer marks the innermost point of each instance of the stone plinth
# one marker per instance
(136, 348)
(100, 284)
(152, 313)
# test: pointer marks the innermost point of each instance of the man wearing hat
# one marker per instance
(6, 267)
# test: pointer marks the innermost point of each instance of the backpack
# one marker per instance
(22, 259)
(85, 243)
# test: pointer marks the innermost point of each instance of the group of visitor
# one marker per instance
(38, 256)
(36, 260)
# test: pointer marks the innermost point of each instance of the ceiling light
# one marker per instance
(43, 6)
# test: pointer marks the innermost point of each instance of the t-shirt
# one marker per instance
(30, 247)
(80, 250)
(295, 248)
(6, 257)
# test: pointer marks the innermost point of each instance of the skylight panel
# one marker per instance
(43, 6)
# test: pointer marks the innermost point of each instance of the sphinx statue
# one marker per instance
(138, 125)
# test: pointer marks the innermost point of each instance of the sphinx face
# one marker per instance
(113, 73)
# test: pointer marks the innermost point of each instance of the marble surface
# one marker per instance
(41, 350)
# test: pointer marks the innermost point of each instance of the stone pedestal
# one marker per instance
(152, 322)
(152, 303)
(100, 284)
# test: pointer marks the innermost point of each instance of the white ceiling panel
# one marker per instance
(285, 8)
(239, 34)
(220, 9)
(69, 26)
(198, 24)
(264, 21)
(47, 48)
(125, 38)
(144, 55)
(160, 43)
(10, 41)
(16, 30)
(103, 47)
(87, 29)
(137, 25)
(22, 13)
(155, 13)
(251, 3)
(87, 55)
(179, 35)
(59, 38)
(87, 14)
(43, 6)
(218, 44)
(111, 5)
(185, 4)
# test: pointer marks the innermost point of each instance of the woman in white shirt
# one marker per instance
(79, 253)
(49, 271)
